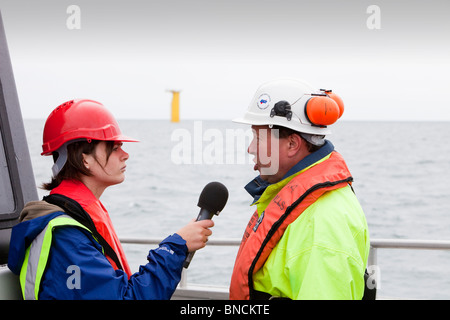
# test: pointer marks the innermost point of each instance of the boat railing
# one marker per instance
(376, 244)
(192, 291)
(155, 241)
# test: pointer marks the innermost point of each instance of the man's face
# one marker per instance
(266, 149)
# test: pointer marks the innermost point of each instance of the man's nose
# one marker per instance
(252, 147)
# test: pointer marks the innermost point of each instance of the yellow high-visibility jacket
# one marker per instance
(321, 253)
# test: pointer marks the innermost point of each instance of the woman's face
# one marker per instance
(107, 171)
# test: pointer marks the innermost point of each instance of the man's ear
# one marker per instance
(295, 144)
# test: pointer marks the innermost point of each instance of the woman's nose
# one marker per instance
(125, 156)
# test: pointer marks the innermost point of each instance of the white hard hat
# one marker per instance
(285, 102)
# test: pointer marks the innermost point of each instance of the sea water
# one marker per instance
(401, 172)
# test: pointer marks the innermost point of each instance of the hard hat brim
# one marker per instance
(50, 148)
(283, 122)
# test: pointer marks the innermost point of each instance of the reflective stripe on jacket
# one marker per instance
(36, 256)
(265, 230)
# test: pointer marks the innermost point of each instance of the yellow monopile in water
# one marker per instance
(175, 106)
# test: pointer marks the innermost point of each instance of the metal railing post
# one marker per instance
(372, 260)
(183, 281)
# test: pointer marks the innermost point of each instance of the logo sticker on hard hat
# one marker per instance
(263, 101)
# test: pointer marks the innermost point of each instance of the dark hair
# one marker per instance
(286, 132)
(73, 169)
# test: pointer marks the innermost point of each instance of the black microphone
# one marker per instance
(212, 200)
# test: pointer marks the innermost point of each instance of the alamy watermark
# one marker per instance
(73, 21)
(74, 280)
(373, 22)
(230, 146)
(374, 279)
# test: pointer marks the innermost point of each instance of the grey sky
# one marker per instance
(127, 53)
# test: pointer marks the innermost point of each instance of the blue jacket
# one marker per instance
(73, 246)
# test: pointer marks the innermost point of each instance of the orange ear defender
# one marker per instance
(324, 109)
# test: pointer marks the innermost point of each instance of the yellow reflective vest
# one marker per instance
(37, 254)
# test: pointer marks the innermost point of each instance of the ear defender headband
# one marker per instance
(322, 109)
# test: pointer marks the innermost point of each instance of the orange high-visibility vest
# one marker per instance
(263, 232)
(77, 191)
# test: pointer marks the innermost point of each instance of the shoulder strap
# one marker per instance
(76, 211)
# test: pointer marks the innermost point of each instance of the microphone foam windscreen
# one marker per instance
(213, 197)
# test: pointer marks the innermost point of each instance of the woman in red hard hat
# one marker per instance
(65, 246)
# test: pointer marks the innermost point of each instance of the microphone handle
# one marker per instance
(203, 215)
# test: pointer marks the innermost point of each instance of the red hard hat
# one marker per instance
(77, 119)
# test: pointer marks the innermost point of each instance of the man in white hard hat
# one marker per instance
(308, 237)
